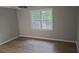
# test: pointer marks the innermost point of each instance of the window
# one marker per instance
(42, 19)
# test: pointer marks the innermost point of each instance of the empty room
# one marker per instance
(39, 29)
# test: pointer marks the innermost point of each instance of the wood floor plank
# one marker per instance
(31, 45)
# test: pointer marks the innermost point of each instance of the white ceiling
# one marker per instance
(12, 7)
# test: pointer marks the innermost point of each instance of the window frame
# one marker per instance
(41, 24)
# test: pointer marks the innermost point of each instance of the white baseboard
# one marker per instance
(49, 38)
(77, 46)
(9, 40)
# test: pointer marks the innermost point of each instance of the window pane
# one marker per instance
(47, 25)
(47, 19)
(46, 15)
(36, 15)
(36, 25)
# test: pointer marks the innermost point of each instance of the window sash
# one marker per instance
(41, 22)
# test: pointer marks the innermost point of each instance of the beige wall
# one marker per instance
(8, 24)
(78, 32)
(64, 23)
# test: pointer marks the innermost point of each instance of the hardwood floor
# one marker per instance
(30, 45)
